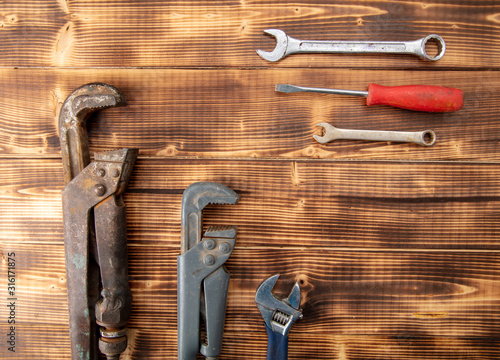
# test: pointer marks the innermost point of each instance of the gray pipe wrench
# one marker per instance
(202, 279)
(279, 316)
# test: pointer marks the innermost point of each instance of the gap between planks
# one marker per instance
(281, 159)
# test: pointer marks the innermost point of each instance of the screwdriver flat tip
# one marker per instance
(286, 88)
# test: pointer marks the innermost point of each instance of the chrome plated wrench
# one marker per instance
(426, 137)
(286, 45)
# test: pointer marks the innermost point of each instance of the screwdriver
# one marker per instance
(427, 98)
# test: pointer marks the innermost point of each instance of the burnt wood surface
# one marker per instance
(395, 246)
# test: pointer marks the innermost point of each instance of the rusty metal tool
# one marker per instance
(279, 316)
(425, 138)
(95, 240)
(427, 98)
(202, 279)
(287, 45)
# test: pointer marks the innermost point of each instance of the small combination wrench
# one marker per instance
(426, 137)
(286, 45)
(279, 316)
(95, 233)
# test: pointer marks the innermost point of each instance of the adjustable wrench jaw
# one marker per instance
(279, 315)
(202, 279)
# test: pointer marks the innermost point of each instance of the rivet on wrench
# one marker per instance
(287, 45)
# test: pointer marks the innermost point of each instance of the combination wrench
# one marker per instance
(426, 137)
(286, 45)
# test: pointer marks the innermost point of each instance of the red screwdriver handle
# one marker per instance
(417, 97)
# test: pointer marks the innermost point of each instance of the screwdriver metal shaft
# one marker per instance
(287, 88)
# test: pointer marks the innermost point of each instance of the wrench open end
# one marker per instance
(279, 51)
(327, 135)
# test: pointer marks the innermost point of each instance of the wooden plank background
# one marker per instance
(395, 246)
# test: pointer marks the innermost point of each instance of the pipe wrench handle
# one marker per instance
(202, 266)
(277, 345)
(215, 288)
(79, 196)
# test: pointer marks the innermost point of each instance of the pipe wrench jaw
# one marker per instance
(76, 109)
(195, 198)
(87, 99)
(107, 175)
(118, 164)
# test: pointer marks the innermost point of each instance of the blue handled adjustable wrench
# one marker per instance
(279, 315)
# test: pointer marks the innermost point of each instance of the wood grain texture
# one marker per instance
(343, 291)
(412, 297)
(284, 203)
(395, 246)
(250, 346)
(238, 114)
(405, 298)
(89, 33)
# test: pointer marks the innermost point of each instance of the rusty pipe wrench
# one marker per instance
(279, 316)
(94, 229)
(202, 279)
